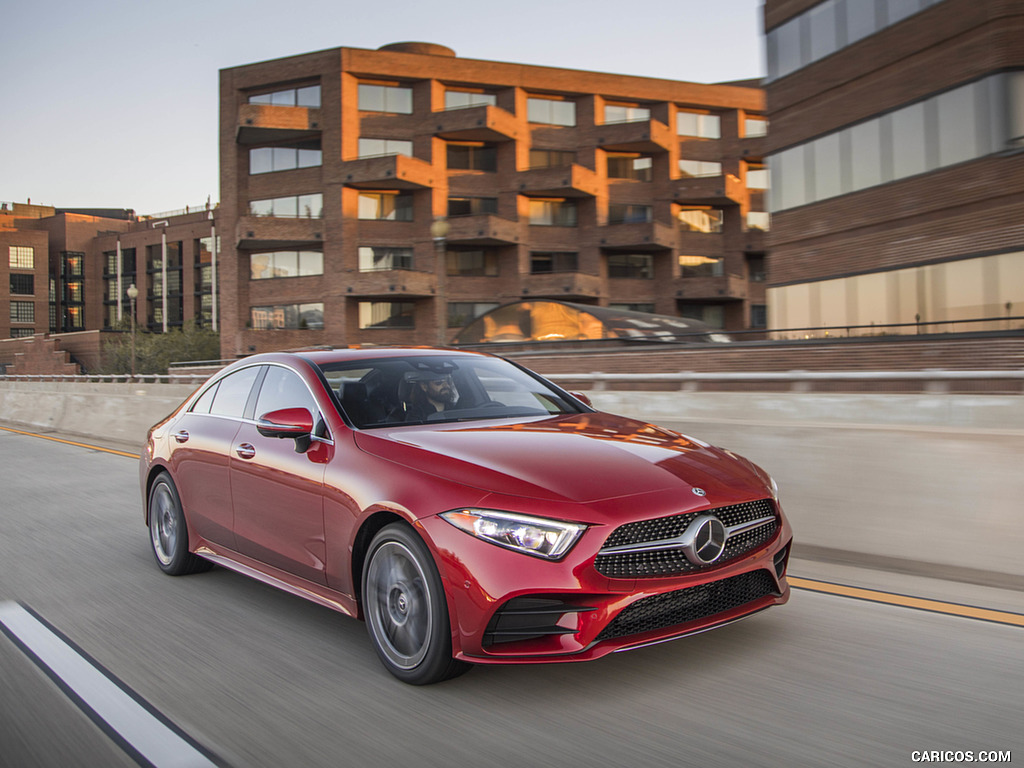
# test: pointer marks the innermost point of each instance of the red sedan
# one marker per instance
(467, 509)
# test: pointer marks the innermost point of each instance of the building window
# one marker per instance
(631, 266)
(472, 263)
(23, 285)
(754, 127)
(759, 220)
(306, 96)
(756, 269)
(621, 113)
(553, 213)
(701, 266)
(384, 147)
(758, 315)
(472, 157)
(551, 158)
(757, 176)
(268, 264)
(73, 264)
(629, 214)
(22, 333)
(292, 207)
(710, 314)
(699, 169)
(550, 111)
(385, 206)
(472, 206)
(22, 257)
(386, 314)
(466, 99)
(641, 306)
(629, 166)
(383, 258)
(288, 317)
(385, 98)
(23, 312)
(698, 125)
(462, 312)
(707, 220)
(288, 157)
(542, 262)
(967, 122)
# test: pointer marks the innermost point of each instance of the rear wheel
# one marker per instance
(168, 533)
(405, 607)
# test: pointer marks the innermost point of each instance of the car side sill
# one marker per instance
(313, 592)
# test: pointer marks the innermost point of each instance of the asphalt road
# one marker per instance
(261, 678)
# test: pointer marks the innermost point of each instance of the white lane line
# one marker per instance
(139, 729)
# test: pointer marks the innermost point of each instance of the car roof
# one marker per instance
(320, 356)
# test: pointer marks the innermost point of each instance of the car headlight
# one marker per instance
(549, 539)
(775, 488)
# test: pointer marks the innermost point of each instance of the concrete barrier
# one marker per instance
(926, 484)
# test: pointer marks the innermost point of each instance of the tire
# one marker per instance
(406, 610)
(168, 532)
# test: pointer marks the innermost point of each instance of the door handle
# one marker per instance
(181, 436)
(246, 450)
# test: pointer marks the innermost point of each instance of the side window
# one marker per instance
(233, 393)
(283, 388)
(205, 400)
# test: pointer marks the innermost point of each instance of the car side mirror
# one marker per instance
(296, 423)
(582, 398)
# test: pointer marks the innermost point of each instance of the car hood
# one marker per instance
(584, 458)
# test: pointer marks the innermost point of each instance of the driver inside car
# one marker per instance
(431, 392)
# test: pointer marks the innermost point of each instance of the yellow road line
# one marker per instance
(890, 598)
(72, 442)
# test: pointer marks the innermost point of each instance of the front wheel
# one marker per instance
(168, 533)
(405, 607)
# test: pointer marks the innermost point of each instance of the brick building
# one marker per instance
(69, 270)
(387, 196)
(897, 163)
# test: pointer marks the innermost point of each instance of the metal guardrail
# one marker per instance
(114, 378)
(800, 381)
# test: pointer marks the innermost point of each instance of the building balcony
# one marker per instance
(691, 241)
(482, 229)
(483, 123)
(404, 283)
(638, 236)
(387, 172)
(260, 123)
(642, 136)
(561, 285)
(563, 181)
(719, 288)
(713, 190)
(273, 232)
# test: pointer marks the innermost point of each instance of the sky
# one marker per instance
(114, 103)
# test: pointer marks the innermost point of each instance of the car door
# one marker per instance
(277, 493)
(202, 440)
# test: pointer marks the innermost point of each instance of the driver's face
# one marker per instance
(441, 390)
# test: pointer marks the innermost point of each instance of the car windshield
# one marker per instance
(440, 388)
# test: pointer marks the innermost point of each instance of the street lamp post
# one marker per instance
(133, 294)
(439, 231)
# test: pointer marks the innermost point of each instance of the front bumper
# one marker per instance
(507, 607)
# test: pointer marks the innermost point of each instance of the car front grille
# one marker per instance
(670, 560)
(691, 604)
